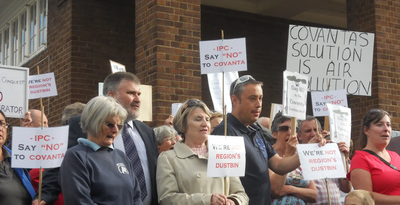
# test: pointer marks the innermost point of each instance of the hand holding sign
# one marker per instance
(291, 146)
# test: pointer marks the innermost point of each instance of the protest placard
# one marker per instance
(333, 59)
(226, 156)
(294, 96)
(14, 91)
(218, 56)
(275, 108)
(42, 85)
(320, 162)
(37, 147)
(117, 67)
(174, 108)
(320, 99)
(215, 86)
(340, 123)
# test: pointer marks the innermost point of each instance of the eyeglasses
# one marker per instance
(190, 103)
(243, 79)
(283, 128)
(112, 125)
(4, 125)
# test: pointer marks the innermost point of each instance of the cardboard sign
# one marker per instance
(320, 162)
(117, 67)
(37, 147)
(41, 86)
(223, 55)
(340, 123)
(14, 91)
(294, 95)
(215, 86)
(320, 100)
(333, 59)
(226, 156)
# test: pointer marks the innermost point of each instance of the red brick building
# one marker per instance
(159, 41)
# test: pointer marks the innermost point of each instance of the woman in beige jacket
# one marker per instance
(182, 172)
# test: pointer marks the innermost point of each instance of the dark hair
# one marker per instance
(3, 115)
(112, 81)
(373, 116)
(278, 119)
(237, 89)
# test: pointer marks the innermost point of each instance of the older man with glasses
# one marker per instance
(246, 95)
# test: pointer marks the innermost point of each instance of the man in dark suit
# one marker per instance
(137, 139)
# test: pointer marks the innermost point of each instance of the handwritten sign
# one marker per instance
(41, 86)
(320, 162)
(334, 59)
(320, 100)
(218, 56)
(174, 108)
(215, 86)
(14, 91)
(340, 123)
(294, 95)
(226, 156)
(117, 67)
(37, 147)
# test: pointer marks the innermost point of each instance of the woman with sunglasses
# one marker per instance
(15, 183)
(290, 188)
(373, 168)
(182, 172)
(93, 172)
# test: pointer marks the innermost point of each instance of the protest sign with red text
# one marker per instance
(41, 86)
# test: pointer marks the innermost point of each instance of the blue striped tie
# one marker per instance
(132, 153)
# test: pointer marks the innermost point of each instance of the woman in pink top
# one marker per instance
(368, 170)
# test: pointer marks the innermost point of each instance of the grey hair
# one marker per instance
(180, 119)
(97, 110)
(238, 90)
(308, 118)
(163, 132)
(278, 119)
(71, 111)
(112, 81)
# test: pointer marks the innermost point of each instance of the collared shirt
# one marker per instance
(258, 151)
(141, 148)
(334, 192)
(91, 144)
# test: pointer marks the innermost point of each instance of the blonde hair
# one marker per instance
(365, 196)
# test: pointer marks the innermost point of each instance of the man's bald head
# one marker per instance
(264, 121)
(36, 117)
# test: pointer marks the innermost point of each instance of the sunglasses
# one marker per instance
(242, 80)
(4, 124)
(283, 128)
(190, 103)
(112, 125)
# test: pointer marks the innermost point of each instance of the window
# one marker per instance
(23, 31)
(14, 30)
(43, 23)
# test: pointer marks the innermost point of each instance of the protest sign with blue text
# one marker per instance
(41, 86)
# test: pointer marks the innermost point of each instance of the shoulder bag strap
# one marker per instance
(383, 160)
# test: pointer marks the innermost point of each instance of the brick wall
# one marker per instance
(382, 18)
(167, 52)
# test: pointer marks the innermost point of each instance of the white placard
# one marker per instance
(41, 86)
(333, 59)
(320, 99)
(37, 147)
(226, 156)
(117, 67)
(218, 56)
(100, 91)
(340, 123)
(174, 108)
(14, 91)
(320, 162)
(215, 86)
(294, 95)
